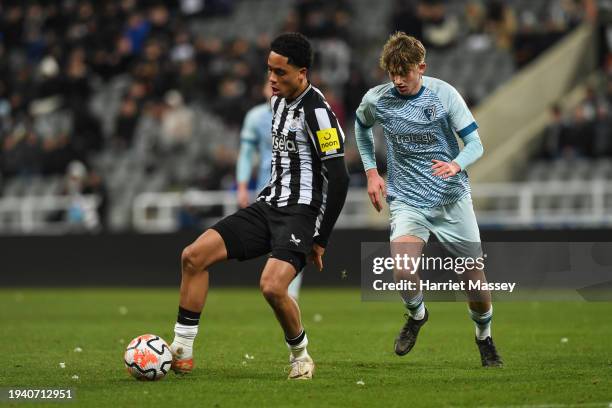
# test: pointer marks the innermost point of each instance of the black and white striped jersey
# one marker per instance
(305, 133)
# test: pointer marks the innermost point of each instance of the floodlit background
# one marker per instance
(120, 116)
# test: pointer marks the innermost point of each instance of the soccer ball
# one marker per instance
(148, 357)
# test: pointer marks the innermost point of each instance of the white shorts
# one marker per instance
(452, 223)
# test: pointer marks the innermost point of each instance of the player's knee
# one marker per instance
(193, 261)
(271, 289)
(188, 260)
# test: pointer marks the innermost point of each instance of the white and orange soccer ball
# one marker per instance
(148, 357)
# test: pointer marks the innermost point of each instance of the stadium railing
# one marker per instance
(532, 204)
(49, 214)
(508, 205)
(158, 212)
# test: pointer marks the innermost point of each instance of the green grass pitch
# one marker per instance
(351, 342)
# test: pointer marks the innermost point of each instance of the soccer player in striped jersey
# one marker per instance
(255, 139)
(427, 188)
(293, 215)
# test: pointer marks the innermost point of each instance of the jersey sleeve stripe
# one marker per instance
(334, 122)
(312, 139)
(468, 129)
(323, 121)
(332, 156)
(361, 123)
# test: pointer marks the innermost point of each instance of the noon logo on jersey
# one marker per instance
(283, 144)
(328, 139)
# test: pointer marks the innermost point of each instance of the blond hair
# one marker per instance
(401, 52)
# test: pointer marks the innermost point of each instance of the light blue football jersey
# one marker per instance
(418, 129)
(257, 130)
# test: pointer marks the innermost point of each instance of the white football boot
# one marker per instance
(301, 369)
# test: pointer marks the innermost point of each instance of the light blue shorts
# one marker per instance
(455, 222)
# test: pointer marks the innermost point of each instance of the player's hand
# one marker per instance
(316, 256)
(243, 195)
(444, 169)
(376, 189)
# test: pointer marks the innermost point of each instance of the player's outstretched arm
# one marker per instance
(376, 185)
(249, 140)
(365, 144)
(337, 187)
(244, 166)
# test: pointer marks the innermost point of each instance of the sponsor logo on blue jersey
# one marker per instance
(420, 138)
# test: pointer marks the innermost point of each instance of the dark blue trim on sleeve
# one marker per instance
(468, 129)
(361, 124)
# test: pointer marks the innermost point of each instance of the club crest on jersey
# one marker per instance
(430, 112)
(294, 124)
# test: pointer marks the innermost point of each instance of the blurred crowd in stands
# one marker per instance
(54, 55)
(524, 31)
(585, 131)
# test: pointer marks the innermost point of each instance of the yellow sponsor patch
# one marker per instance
(328, 139)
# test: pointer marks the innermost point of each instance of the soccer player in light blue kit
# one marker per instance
(428, 189)
(255, 138)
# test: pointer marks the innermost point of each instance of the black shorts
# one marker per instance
(285, 232)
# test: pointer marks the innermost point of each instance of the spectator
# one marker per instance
(440, 30)
(21, 152)
(500, 23)
(177, 123)
(230, 103)
(125, 124)
(602, 143)
(80, 214)
(136, 32)
(94, 185)
(554, 135)
(354, 89)
(578, 140)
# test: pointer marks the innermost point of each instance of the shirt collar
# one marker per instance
(300, 96)
(409, 97)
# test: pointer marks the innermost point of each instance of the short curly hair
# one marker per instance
(295, 47)
(401, 52)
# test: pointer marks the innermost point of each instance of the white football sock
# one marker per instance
(184, 335)
(482, 323)
(415, 306)
(299, 351)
